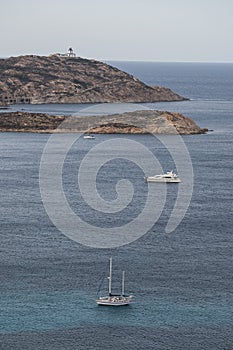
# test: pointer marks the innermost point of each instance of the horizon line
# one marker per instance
(127, 60)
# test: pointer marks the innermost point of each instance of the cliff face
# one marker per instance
(137, 122)
(54, 79)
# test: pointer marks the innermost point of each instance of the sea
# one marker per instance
(69, 204)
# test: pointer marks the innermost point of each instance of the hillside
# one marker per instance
(56, 79)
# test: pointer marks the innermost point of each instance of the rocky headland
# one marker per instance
(56, 79)
(144, 122)
(137, 122)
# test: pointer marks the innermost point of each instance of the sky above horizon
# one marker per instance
(141, 30)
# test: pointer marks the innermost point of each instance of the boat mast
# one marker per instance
(110, 278)
(123, 283)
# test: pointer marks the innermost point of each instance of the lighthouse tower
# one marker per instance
(71, 53)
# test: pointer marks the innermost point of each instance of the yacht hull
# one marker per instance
(153, 179)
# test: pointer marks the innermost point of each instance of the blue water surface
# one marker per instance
(182, 281)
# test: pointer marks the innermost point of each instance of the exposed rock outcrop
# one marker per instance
(55, 79)
(145, 121)
(29, 122)
(137, 122)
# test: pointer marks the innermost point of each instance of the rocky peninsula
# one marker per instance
(57, 79)
(137, 122)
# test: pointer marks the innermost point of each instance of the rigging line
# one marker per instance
(101, 281)
(100, 285)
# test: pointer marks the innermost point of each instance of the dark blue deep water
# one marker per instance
(182, 281)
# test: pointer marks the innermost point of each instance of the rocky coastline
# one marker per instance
(55, 79)
(63, 79)
(137, 122)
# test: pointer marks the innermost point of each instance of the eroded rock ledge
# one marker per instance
(137, 122)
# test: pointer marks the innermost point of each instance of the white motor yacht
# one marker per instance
(168, 177)
(89, 136)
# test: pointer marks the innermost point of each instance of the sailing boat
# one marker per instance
(115, 299)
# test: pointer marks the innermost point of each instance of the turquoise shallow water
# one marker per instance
(53, 311)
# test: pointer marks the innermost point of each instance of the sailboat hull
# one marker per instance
(114, 301)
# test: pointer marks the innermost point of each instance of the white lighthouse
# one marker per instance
(71, 53)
